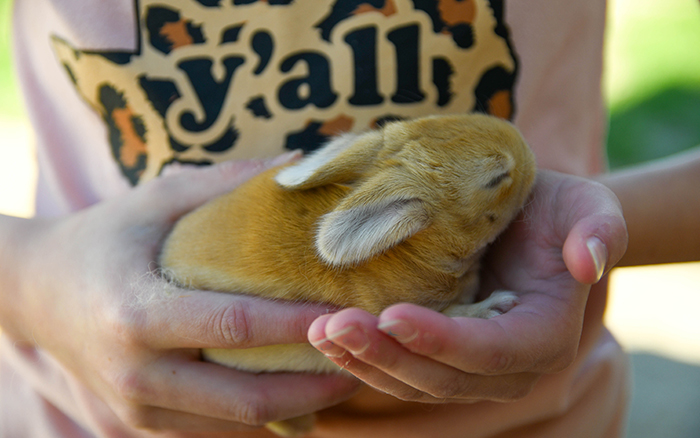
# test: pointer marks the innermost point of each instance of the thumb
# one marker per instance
(597, 240)
(171, 196)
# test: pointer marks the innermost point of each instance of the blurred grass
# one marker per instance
(10, 100)
(652, 79)
(662, 124)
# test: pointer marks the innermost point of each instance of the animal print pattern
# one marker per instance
(212, 80)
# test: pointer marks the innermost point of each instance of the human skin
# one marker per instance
(661, 203)
(548, 257)
(557, 285)
(568, 235)
(83, 289)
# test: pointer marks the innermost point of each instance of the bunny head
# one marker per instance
(447, 184)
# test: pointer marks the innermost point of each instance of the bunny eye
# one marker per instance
(497, 180)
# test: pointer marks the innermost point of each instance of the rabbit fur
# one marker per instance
(399, 214)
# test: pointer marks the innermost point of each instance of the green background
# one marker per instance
(652, 78)
(10, 103)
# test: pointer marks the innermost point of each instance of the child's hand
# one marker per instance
(570, 232)
(88, 294)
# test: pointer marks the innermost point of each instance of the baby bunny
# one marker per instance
(400, 214)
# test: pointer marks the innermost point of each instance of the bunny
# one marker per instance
(399, 214)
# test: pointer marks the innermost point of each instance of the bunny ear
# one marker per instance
(350, 236)
(341, 160)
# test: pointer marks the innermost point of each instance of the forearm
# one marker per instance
(14, 236)
(661, 203)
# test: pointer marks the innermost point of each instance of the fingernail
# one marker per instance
(328, 348)
(352, 339)
(400, 330)
(599, 254)
(286, 158)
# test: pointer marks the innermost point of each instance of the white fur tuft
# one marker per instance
(297, 174)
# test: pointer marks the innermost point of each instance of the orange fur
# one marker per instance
(396, 215)
(259, 239)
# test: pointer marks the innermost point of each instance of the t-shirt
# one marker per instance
(121, 92)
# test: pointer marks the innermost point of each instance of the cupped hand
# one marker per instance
(91, 296)
(570, 232)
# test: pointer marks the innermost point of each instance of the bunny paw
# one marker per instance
(498, 303)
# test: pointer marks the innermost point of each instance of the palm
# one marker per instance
(545, 258)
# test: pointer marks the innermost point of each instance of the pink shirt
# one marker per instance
(546, 72)
(122, 91)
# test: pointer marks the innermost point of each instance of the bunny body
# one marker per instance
(401, 214)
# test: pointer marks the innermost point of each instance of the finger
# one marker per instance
(381, 362)
(382, 381)
(590, 219)
(179, 318)
(594, 245)
(338, 351)
(160, 420)
(118, 416)
(539, 335)
(170, 197)
(214, 391)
